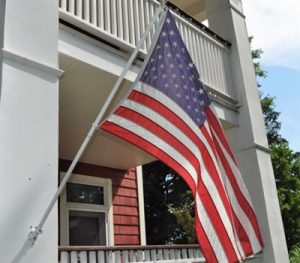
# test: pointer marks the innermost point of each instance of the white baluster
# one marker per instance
(177, 253)
(72, 7)
(125, 256)
(142, 21)
(147, 20)
(109, 257)
(201, 58)
(107, 16)
(227, 70)
(92, 257)
(191, 253)
(126, 21)
(79, 8)
(114, 17)
(221, 70)
(101, 13)
(131, 22)
(117, 257)
(147, 255)
(196, 51)
(101, 256)
(160, 254)
(74, 257)
(64, 257)
(86, 9)
(214, 66)
(151, 15)
(94, 12)
(83, 256)
(140, 255)
(185, 34)
(153, 255)
(208, 63)
(63, 5)
(136, 20)
(191, 45)
(184, 253)
(131, 256)
(120, 20)
(166, 254)
(172, 253)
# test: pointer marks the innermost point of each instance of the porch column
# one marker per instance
(28, 126)
(249, 139)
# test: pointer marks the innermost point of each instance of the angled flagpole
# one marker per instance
(33, 234)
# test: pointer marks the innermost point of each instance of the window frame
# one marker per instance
(107, 208)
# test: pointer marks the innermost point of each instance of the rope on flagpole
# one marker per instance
(34, 233)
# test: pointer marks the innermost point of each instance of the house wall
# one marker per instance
(28, 127)
(125, 199)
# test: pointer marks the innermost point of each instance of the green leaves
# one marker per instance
(295, 254)
(169, 207)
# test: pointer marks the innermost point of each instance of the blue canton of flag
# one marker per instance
(168, 114)
(171, 70)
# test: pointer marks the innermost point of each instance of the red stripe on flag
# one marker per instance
(214, 123)
(149, 125)
(150, 148)
(240, 231)
(217, 222)
(155, 151)
(168, 114)
(240, 197)
(243, 237)
(205, 246)
(214, 215)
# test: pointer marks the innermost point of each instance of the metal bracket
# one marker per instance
(29, 243)
(33, 234)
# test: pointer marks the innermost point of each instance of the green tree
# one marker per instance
(295, 254)
(165, 195)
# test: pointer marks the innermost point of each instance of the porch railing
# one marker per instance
(124, 254)
(121, 23)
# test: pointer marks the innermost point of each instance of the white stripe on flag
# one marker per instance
(241, 215)
(207, 180)
(210, 231)
(150, 137)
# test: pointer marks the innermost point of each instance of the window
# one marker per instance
(87, 194)
(86, 228)
(86, 212)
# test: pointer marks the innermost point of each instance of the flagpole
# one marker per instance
(33, 234)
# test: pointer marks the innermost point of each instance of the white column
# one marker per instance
(28, 126)
(139, 176)
(249, 140)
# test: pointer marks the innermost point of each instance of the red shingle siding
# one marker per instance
(126, 239)
(125, 199)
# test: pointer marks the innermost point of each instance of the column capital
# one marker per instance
(217, 6)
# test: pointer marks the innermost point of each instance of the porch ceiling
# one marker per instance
(195, 8)
(83, 90)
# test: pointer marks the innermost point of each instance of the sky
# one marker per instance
(275, 25)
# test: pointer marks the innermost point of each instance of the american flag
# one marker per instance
(169, 114)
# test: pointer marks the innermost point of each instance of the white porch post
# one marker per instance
(249, 139)
(28, 125)
(139, 176)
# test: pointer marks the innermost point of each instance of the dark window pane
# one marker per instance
(82, 193)
(87, 228)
